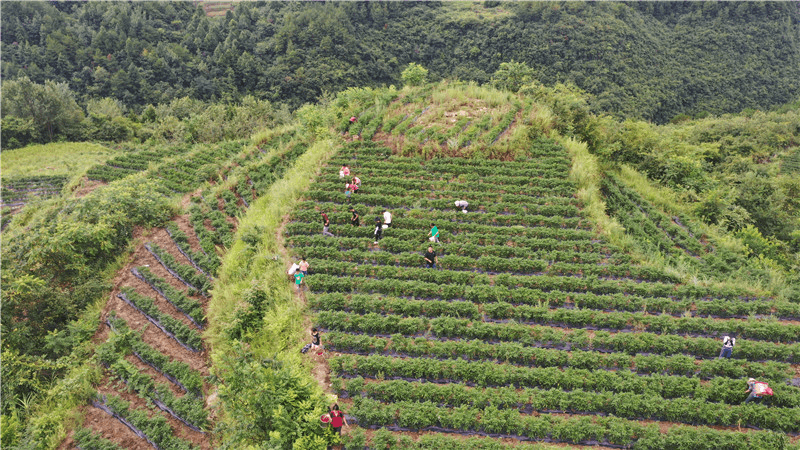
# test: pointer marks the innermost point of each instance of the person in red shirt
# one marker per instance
(337, 417)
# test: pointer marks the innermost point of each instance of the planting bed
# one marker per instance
(156, 386)
(531, 327)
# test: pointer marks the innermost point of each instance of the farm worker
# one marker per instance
(337, 417)
(751, 388)
(325, 224)
(355, 184)
(378, 229)
(727, 347)
(353, 119)
(430, 258)
(357, 181)
(303, 266)
(344, 171)
(315, 341)
(387, 218)
(434, 233)
(347, 191)
(298, 279)
(355, 220)
(462, 204)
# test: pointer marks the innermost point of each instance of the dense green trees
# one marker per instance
(641, 61)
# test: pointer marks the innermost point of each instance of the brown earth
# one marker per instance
(98, 420)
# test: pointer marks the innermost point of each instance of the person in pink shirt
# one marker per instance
(303, 265)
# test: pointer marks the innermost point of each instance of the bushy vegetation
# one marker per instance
(660, 237)
(649, 61)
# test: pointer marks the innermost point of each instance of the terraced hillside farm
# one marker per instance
(155, 388)
(531, 326)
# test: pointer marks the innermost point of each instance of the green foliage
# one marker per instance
(511, 76)
(273, 405)
(414, 75)
(50, 107)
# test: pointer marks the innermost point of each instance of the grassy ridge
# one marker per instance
(253, 295)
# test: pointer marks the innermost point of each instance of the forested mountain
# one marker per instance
(641, 60)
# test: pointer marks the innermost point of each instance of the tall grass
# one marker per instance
(775, 279)
(62, 158)
(263, 265)
(586, 173)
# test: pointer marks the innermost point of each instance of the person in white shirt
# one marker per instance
(727, 347)
(462, 204)
(387, 218)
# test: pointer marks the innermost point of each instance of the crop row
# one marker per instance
(52, 182)
(130, 163)
(370, 193)
(413, 176)
(641, 218)
(492, 374)
(371, 154)
(178, 372)
(769, 330)
(624, 405)
(368, 263)
(400, 239)
(188, 408)
(631, 343)
(521, 354)
(108, 173)
(186, 173)
(156, 430)
(605, 431)
(186, 273)
(85, 439)
(231, 203)
(190, 307)
(172, 327)
(201, 261)
(553, 299)
(404, 285)
(220, 234)
(486, 213)
(477, 230)
(550, 261)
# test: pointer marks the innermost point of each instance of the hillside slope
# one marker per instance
(640, 60)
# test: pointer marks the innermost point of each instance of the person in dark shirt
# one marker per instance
(378, 229)
(355, 220)
(325, 224)
(430, 258)
(316, 343)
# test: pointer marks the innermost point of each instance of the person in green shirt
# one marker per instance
(298, 279)
(434, 233)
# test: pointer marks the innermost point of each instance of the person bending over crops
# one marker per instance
(357, 182)
(430, 258)
(434, 233)
(751, 388)
(462, 204)
(344, 171)
(355, 220)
